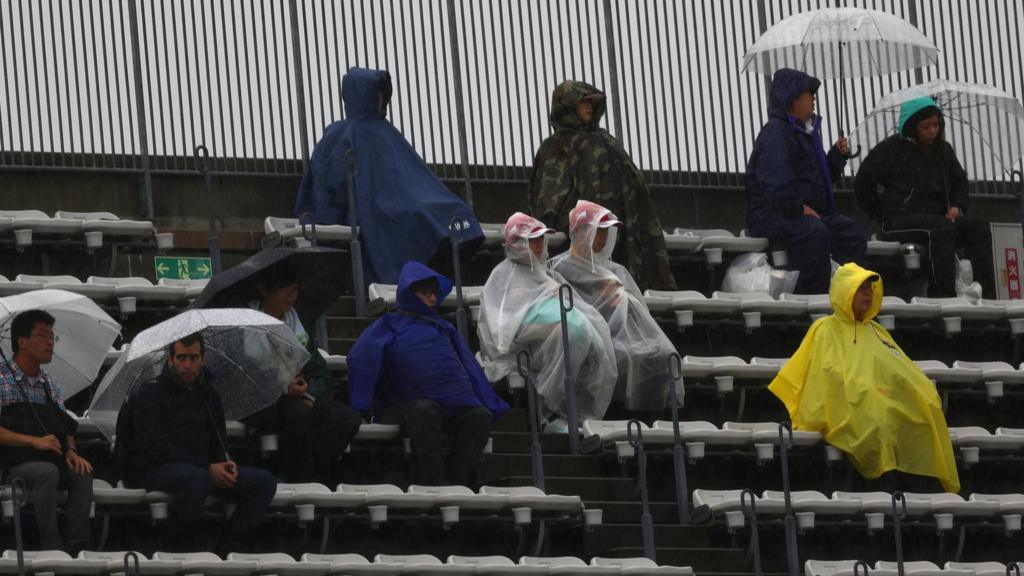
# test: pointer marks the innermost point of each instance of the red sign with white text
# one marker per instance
(1013, 273)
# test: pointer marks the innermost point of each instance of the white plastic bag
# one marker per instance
(966, 287)
(751, 272)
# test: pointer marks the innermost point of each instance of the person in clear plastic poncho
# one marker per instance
(519, 309)
(641, 348)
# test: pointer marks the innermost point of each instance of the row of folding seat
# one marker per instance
(995, 376)
(916, 568)
(690, 307)
(91, 563)
(520, 504)
(714, 244)
(941, 508)
(972, 442)
(127, 291)
(93, 228)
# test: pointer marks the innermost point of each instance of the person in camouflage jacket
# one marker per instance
(582, 161)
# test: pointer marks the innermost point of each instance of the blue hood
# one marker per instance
(413, 272)
(413, 354)
(360, 91)
(787, 84)
(403, 209)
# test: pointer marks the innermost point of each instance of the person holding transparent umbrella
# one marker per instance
(914, 185)
(789, 186)
(179, 447)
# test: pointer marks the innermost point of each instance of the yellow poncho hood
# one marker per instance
(851, 382)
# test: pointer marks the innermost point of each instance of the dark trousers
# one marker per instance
(942, 237)
(812, 243)
(312, 438)
(425, 424)
(191, 485)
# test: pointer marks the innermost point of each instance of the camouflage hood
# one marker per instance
(563, 106)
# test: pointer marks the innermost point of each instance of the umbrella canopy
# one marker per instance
(84, 334)
(981, 122)
(321, 273)
(841, 42)
(252, 356)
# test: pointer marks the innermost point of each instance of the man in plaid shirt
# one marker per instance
(37, 442)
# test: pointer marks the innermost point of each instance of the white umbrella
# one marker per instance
(981, 122)
(841, 43)
(84, 334)
(252, 356)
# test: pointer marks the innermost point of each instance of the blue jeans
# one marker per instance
(191, 484)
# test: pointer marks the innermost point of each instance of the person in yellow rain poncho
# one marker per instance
(851, 382)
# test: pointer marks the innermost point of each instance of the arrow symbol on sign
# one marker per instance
(203, 269)
(162, 268)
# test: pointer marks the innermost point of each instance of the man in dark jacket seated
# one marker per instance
(789, 186)
(411, 368)
(179, 448)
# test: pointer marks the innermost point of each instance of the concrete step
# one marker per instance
(590, 489)
(704, 560)
(505, 465)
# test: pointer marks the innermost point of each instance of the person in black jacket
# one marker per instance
(179, 448)
(913, 184)
(315, 428)
(789, 180)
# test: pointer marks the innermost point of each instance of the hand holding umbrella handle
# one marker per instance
(848, 155)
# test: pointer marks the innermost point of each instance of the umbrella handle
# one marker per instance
(202, 156)
(848, 155)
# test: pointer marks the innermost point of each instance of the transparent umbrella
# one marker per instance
(981, 122)
(252, 356)
(841, 43)
(84, 334)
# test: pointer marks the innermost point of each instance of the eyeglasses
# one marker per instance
(47, 336)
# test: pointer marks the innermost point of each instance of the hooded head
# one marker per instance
(787, 85)
(520, 231)
(564, 101)
(366, 93)
(413, 272)
(913, 113)
(585, 220)
(847, 280)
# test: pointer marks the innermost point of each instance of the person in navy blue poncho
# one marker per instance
(789, 180)
(411, 368)
(403, 208)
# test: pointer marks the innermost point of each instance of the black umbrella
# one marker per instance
(321, 273)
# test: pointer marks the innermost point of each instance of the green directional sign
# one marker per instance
(182, 268)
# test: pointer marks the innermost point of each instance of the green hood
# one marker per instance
(563, 105)
(911, 107)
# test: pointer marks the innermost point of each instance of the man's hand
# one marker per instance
(843, 145)
(48, 443)
(808, 211)
(953, 213)
(224, 474)
(76, 463)
(297, 387)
